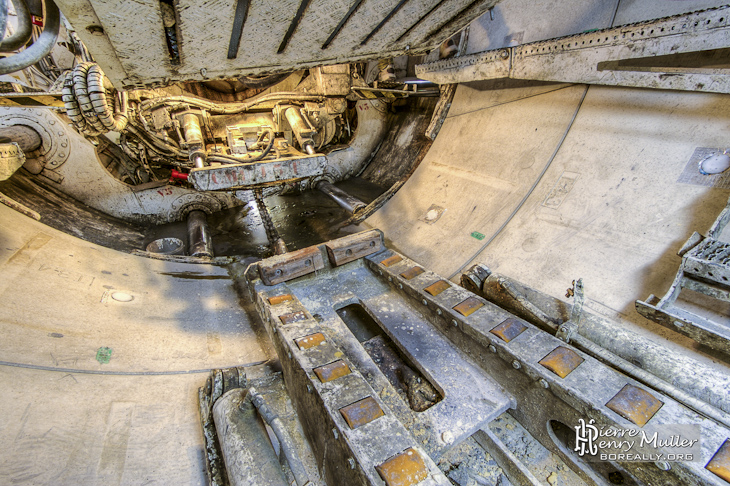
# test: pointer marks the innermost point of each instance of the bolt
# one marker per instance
(438, 311)
(516, 365)
(504, 54)
(203, 72)
(425, 302)
(664, 466)
(678, 323)
(453, 321)
(493, 348)
(309, 388)
(335, 433)
(289, 354)
(351, 462)
(400, 286)
(390, 279)
(447, 437)
(544, 383)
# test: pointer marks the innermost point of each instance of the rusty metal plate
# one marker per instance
(412, 273)
(561, 361)
(350, 248)
(278, 299)
(438, 287)
(310, 341)
(405, 469)
(332, 371)
(282, 268)
(719, 465)
(389, 262)
(469, 306)
(635, 404)
(293, 317)
(361, 412)
(239, 176)
(509, 329)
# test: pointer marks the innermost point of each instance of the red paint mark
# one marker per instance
(364, 107)
(166, 191)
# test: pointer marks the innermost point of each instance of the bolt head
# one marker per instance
(493, 348)
(447, 437)
(544, 383)
(516, 365)
(351, 462)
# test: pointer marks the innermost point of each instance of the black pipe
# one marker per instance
(200, 244)
(345, 200)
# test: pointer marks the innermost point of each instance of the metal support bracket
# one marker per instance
(684, 52)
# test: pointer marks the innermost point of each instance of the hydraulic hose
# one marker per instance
(227, 108)
(24, 30)
(40, 48)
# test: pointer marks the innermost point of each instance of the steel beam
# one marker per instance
(643, 55)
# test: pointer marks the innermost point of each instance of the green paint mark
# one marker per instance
(103, 355)
(478, 235)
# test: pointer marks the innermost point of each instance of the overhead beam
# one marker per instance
(621, 56)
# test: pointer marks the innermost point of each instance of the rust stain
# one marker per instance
(719, 465)
(406, 469)
(438, 287)
(361, 412)
(389, 262)
(278, 299)
(310, 341)
(469, 306)
(635, 404)
(293, 317)
(509, 329)
(332, 371)
(412, 273)
(561, 361)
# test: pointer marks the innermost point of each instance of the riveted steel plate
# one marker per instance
(561, 361)
(469, 306)
(278, 299)
(412, 273)
(635, 404)
(389, 262)
(310, 341)
(293, 317)
(361, 412)
(241, 176)
(509, 329)
(438, 287)
(720, 462)
(405, 469)
(332, 371)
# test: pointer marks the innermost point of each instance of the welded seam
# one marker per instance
(124, 373)
(529, 193)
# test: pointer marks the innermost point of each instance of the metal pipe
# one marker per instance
(40, 48)
(27, 139)
(301, 128)
(345, 200)
(200, 244)
(23, 31)
(287, 444)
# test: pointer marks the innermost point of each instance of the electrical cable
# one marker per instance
(529, 192)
